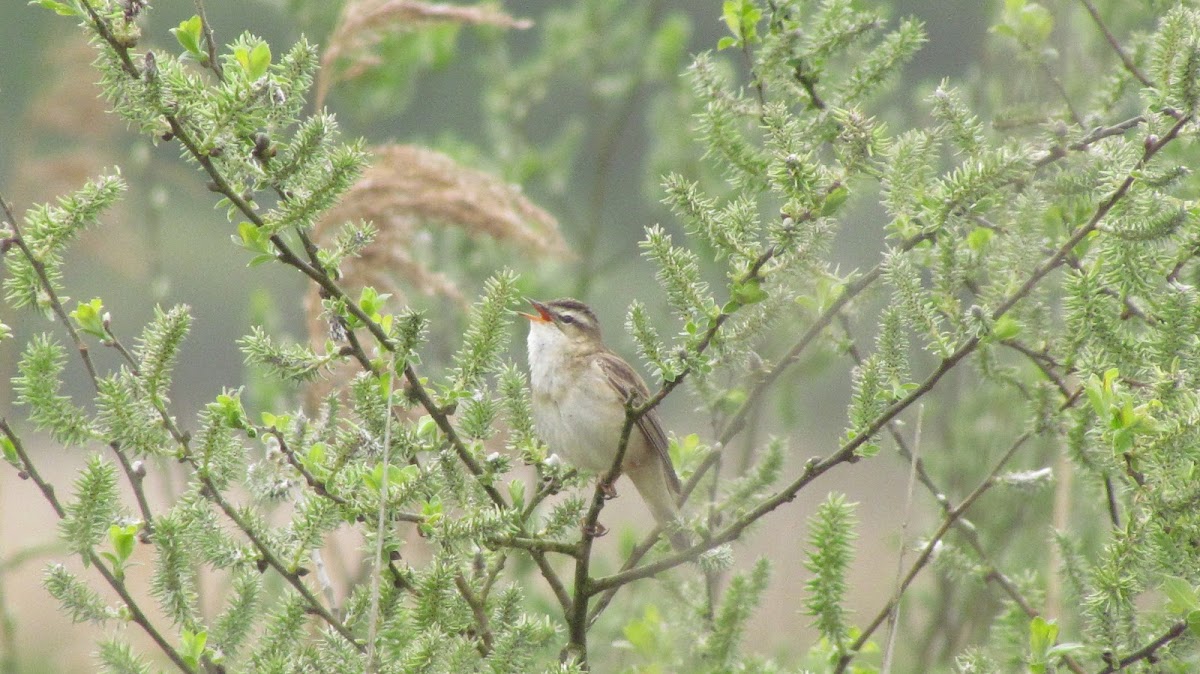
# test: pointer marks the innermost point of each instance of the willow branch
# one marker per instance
(118, 585)
(848, 452)
(922, 560)
(132, 475)
(1116, 45)
(1147, 652)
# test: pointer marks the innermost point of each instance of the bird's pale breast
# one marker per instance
(577, 412)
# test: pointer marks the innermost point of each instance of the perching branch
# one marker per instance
(847, 452)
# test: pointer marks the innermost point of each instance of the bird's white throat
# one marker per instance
(549, 350)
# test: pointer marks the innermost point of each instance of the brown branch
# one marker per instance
(1042, 362)
(537, 544)
(952, 516)
(132, 475)
(272, 560)
(314, 483)
(847, 452)
(118, 585)
(210, 42)
(1055, 82)
(1112, 41)
(483, 632)
(1147, 652)
(577, 617)
(552, 579)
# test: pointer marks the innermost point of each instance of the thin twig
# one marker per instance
(210, 42)
(132, 475)
(1147, 652)
(894, 615)
(1055, 82)
(927, 552)
(380, 528)
(577, 622)
(1112, 41)
(118, 585)
(479, 611)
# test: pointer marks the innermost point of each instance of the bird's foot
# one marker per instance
(608, 490)
(594, 531)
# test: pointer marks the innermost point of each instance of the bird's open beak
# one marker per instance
(543, 314)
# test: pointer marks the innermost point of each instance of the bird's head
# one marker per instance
(567, 319)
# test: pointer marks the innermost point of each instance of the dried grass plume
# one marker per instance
(363, 24)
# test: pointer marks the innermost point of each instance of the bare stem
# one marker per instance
(1116, 45)
(380, 528)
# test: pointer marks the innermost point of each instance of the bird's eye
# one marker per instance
(568, 318)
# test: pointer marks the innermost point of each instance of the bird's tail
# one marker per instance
(660, 493)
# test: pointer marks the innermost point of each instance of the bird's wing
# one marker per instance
(626, 382)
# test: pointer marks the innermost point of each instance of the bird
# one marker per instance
(579, 390)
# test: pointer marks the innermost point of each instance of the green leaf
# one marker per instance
(742, 17)
(684, 450)
(516, 494)
(371, 302)
(254, 61)
(397, 476)
(193, 646)
(316, 454)
(1097, 397)
(1006, 327)
(60, 8)
(1042, 635)
(979, 238)
(188, 34)
(229, 410)
(836, 198)
(1062, 650)
(256, 240)
(1110, 378)
(90, 318)
(748, 292)
(726, 42)
(248, 236)
(10, 453)
(260, 60)
(123, 539)
(732, 16)
(1181, 596)
(1193, 621)
(242, 55)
